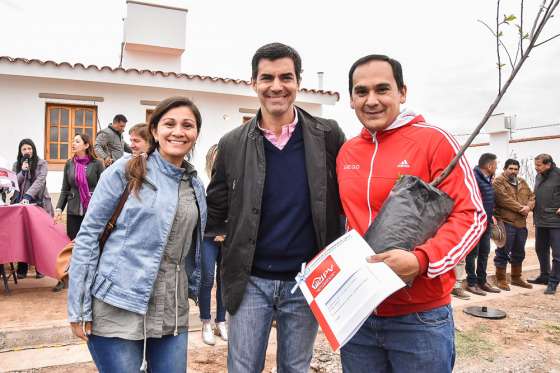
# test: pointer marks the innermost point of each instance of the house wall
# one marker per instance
(524, 152)
(23, 112)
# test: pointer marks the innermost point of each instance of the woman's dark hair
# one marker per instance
(141, 130)
(90, 152)
(33, 161)
(395, 66)
(137, 166)
(275, 51)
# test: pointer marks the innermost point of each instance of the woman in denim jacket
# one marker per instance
(131, 305)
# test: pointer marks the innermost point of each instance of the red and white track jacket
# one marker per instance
(368, 167)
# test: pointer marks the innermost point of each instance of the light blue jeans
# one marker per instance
(116, 355)
(420, 342)
(249, 328)
(209, 260)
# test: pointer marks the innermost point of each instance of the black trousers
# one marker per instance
(545, 239)
(73, 224)
(476, 274)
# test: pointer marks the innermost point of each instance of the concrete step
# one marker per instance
(28, 359)
(54, 333)
(76, 357)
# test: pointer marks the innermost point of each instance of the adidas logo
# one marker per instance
(403, 164)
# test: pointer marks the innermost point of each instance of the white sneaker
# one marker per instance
(221, 330)
(207, 335)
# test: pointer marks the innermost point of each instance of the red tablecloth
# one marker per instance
(28, 234)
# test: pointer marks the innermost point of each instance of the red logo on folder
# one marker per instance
(322, 275)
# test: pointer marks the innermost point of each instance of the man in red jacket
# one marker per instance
(412, 330)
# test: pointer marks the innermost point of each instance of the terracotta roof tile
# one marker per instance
(150, 72)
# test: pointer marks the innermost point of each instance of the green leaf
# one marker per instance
(509, 18)
(500, 34)
(500, 65)
(526, 36)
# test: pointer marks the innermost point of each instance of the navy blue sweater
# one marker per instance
(286, 233)
(486, 191)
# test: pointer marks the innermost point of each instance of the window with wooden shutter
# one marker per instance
(63, 122)
(149, 113)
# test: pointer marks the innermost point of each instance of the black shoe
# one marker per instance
(551, 288)
(58, 287)
(20, 276)
(541, 280)
(39, 275)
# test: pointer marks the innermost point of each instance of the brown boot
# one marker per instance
(501, 279)
(516, 278)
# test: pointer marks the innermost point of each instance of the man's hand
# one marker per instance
(525, 210)
(26, 200)
(558, 212)
(108, 161)
(81, 330)
(219, 238)
(402, 262)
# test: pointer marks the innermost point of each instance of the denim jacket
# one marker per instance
(132, 254)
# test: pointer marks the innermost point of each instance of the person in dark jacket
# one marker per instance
(477, 260)
(109, 144)
(32, 179)
(81, 174)
(274, 181)
(546, 217)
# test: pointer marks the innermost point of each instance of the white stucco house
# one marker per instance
(502, 137)
(49, 101)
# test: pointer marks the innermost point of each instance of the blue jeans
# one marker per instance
(421, 342)
(477, 260)
(210, 259)
(514, 250)
(249, 328)
(116, 355)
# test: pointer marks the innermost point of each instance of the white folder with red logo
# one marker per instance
(343, 289)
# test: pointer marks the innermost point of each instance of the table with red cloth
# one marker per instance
(29, 234)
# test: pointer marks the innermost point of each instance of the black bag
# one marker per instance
(411, 214)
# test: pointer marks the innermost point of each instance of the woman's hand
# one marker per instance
(58, 216)
(25, 166)
(219, 238)
(81, 330)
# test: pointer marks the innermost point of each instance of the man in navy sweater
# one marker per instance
(274, 181)
(477, 260)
